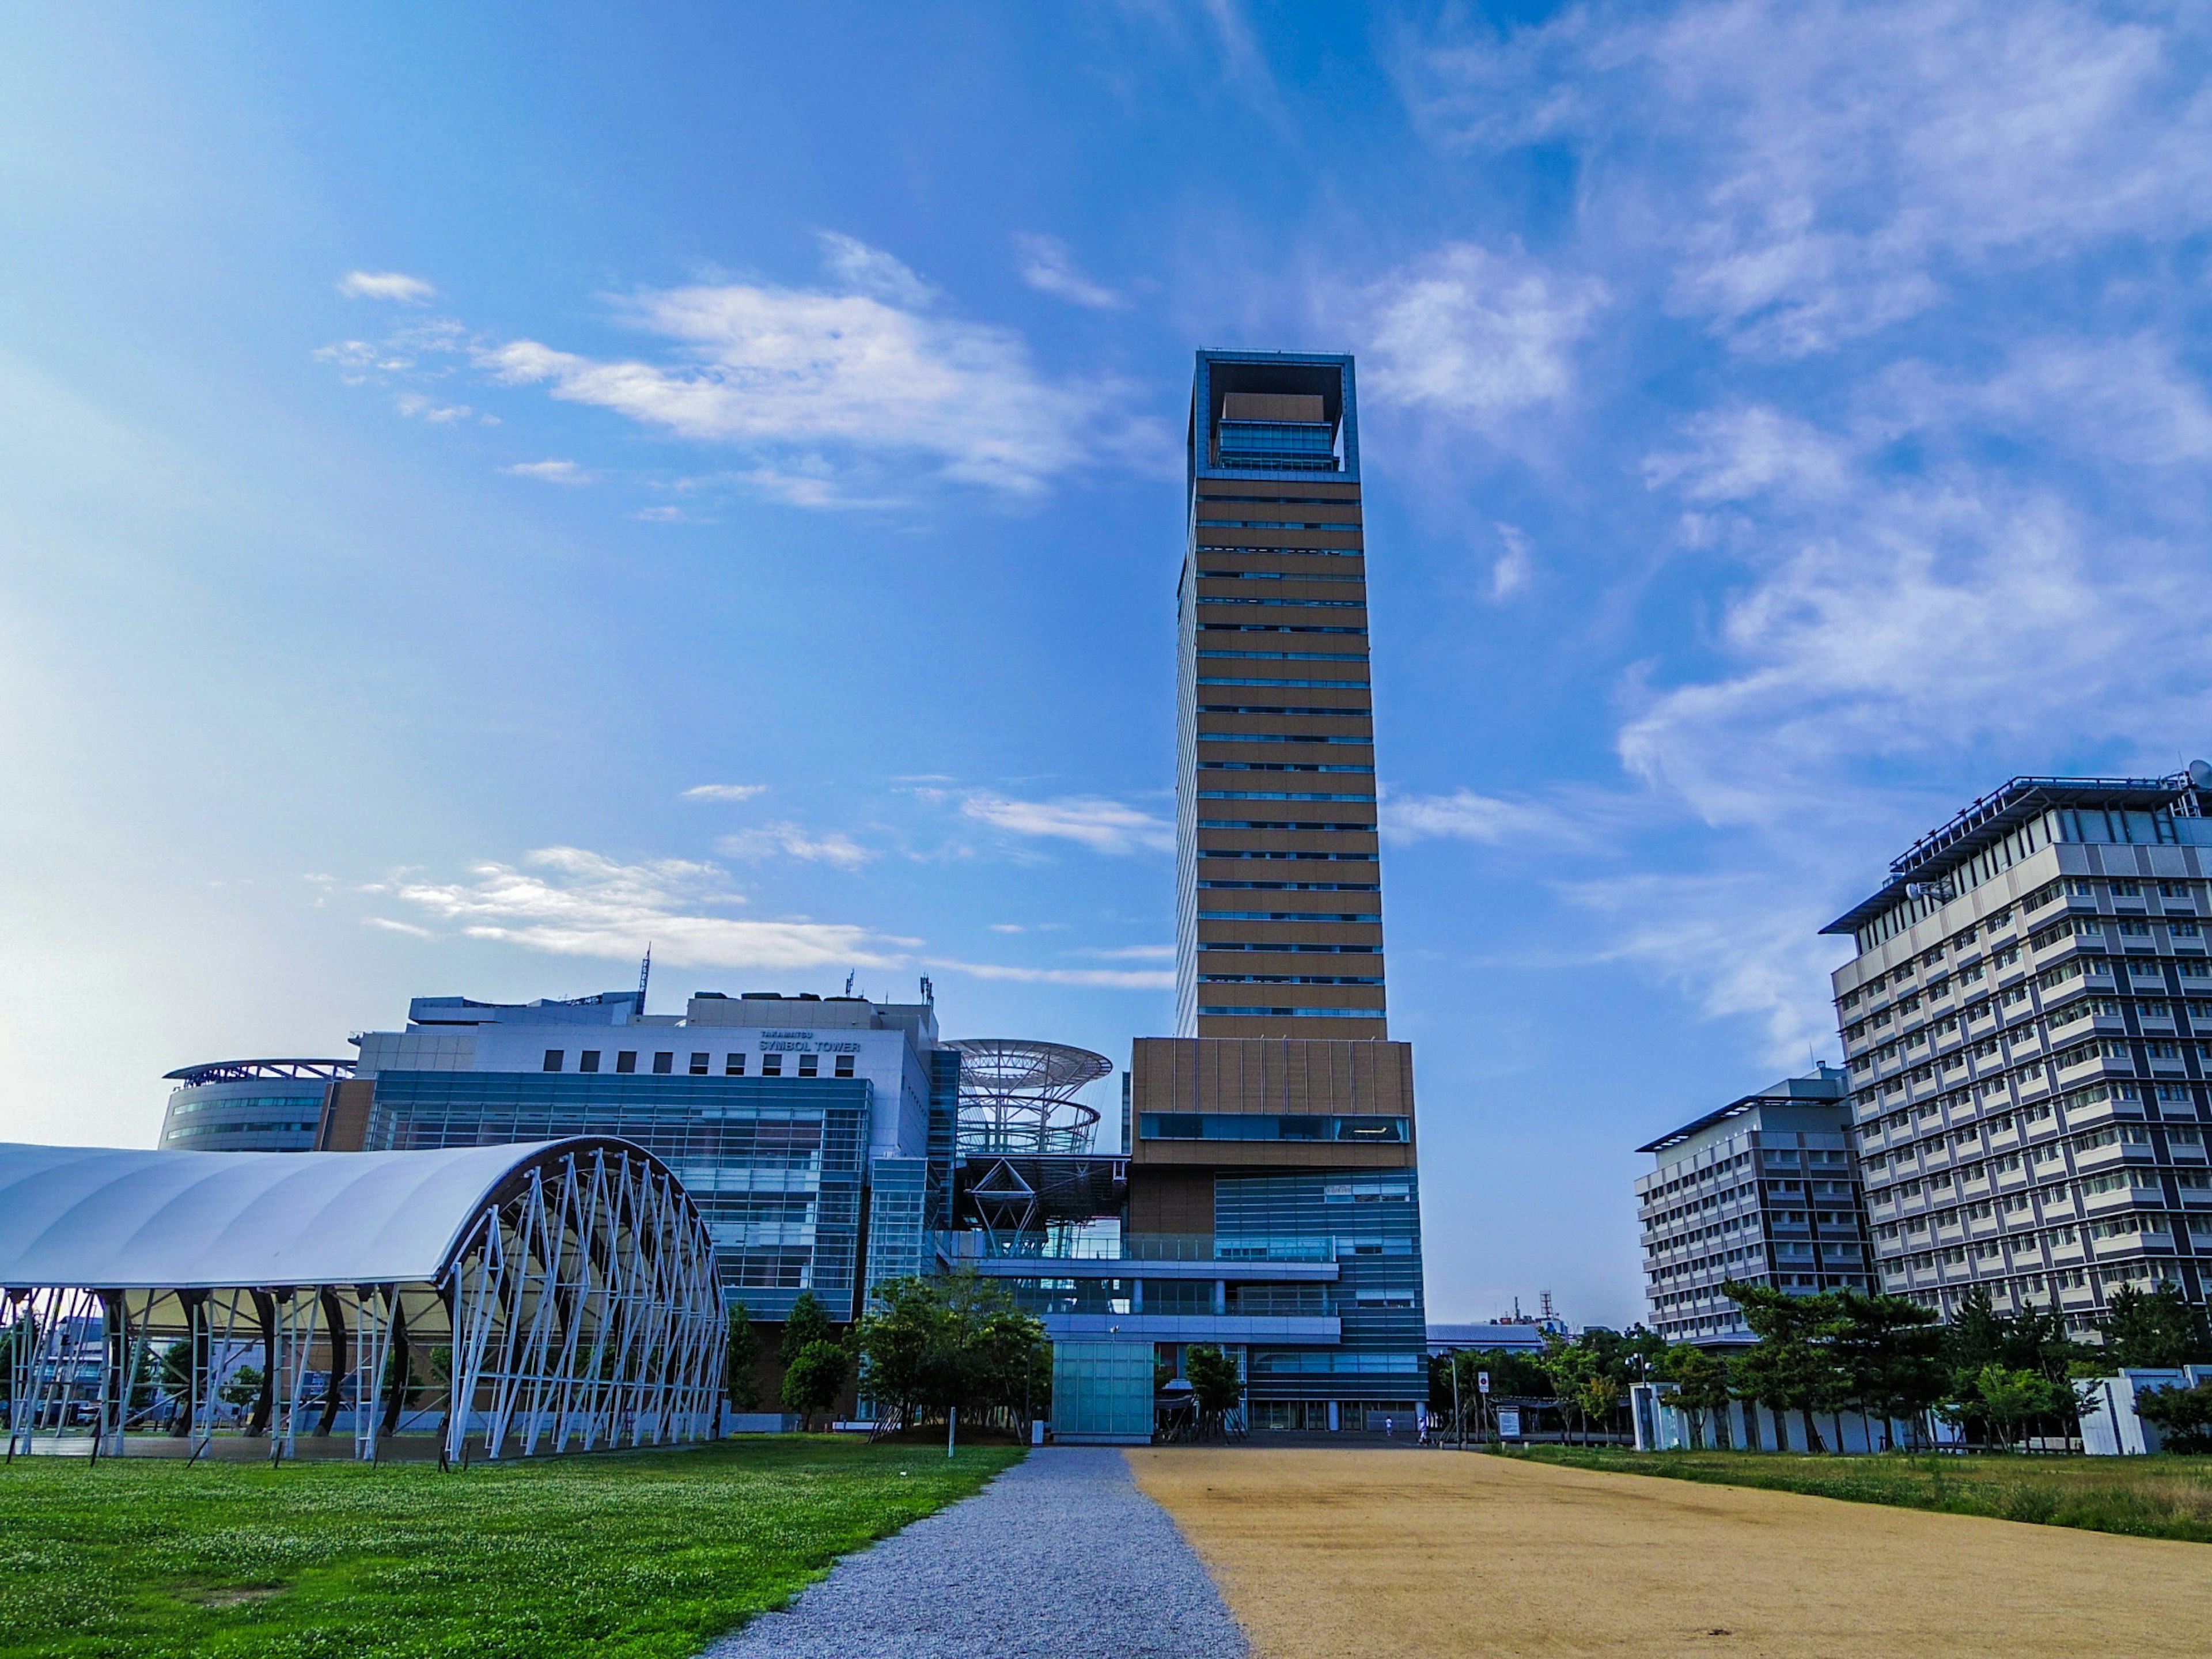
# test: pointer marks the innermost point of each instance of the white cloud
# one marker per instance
(1125, 979)
(790, 841)
(663, 515)
(1744, 945)
(571, 902)
(386, 285)
(1049, 267)
(1103, 826)
(2124, 400)
(1465, 815)
(1477, 336)
(1944, 621)
(1514, 569)
(725, 791)
(392, 927)
(871, 370)
(1136, 953)
(1818, 171)
(864, 270)
(560, 472)
(1738, 453)
(417, 407)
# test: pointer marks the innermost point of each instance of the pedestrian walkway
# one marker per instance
(1060, 1557)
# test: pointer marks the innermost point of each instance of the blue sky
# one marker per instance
(481, 488)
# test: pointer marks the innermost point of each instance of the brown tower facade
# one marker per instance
(1279, 893)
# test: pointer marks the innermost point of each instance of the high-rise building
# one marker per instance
(2026, 1024)
(801, 1125)
(1763, 1191)
(1280, 1122)
(1279, 919)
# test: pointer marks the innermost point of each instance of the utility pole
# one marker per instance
(1459, 1416)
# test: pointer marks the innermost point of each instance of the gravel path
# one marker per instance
(1060, 1557)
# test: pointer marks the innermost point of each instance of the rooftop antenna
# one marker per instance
(848, 981)
(644, 977)
(928, 991)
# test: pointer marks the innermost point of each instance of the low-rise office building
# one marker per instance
(800, 1126)
(1763, 1191)
(248, 1105)
(2027, 1023)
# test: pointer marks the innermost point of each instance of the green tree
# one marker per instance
(243, 1388)
(2155, 1330)
(1791, 1367)
(807, 1323)
(1701, 1385)
(814, 1379)
(1213, 1378)
(2183, 1417)
(741, 1361)
(935, 1345)
(1890, 1351)
(2008, 1400)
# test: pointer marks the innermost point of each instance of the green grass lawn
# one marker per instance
(648, 1553)
(2150, 1497)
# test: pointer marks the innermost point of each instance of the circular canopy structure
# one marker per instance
(1017, 1095)
(541, 1296)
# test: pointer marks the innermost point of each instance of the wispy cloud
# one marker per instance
(1465, 815)
(1815, 172)
(871, 369)
(791, 842)
(725, 791)
(1477, 336)
(1103, 826)
(560, 473)
(568, 901)
(1049, 267)
(416, 407)
(392, 927)
(386, 285)
(1513, 569)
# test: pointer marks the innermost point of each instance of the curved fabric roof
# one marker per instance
(116, 1218)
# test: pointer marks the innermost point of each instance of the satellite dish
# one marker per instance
(2200, 773)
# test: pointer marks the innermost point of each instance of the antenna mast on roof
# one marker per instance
(848, 981)
(644, 978)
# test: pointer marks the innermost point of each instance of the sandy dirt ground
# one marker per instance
(1328, 1553)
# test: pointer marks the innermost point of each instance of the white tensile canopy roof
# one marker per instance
(120, 1218)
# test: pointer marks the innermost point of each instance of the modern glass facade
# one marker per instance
(248, 1105)
(774, 1164)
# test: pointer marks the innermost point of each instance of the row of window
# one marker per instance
(1269, 853)
(1279, 947)
(1300, 605)
(1289, 656)
(1283, 766)
(1273, 794)
(1289, 979)
(1309, 685)
(1280, 575)
(1290, 916)
(1280, 627)
(1278, 709)
(1287, 1013)
(701, 1065)
(1280, 737)
(1367, 829)
(2186, 892)
(1294, 886)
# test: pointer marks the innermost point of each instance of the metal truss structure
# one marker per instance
(1019, 1096)
(575, 1308)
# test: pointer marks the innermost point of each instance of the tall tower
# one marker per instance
(1279, 902)
(1274, 1136)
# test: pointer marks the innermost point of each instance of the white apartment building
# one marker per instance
(2025, 1026)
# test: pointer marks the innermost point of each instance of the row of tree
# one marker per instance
(927, 1348)
(1998, 1375)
